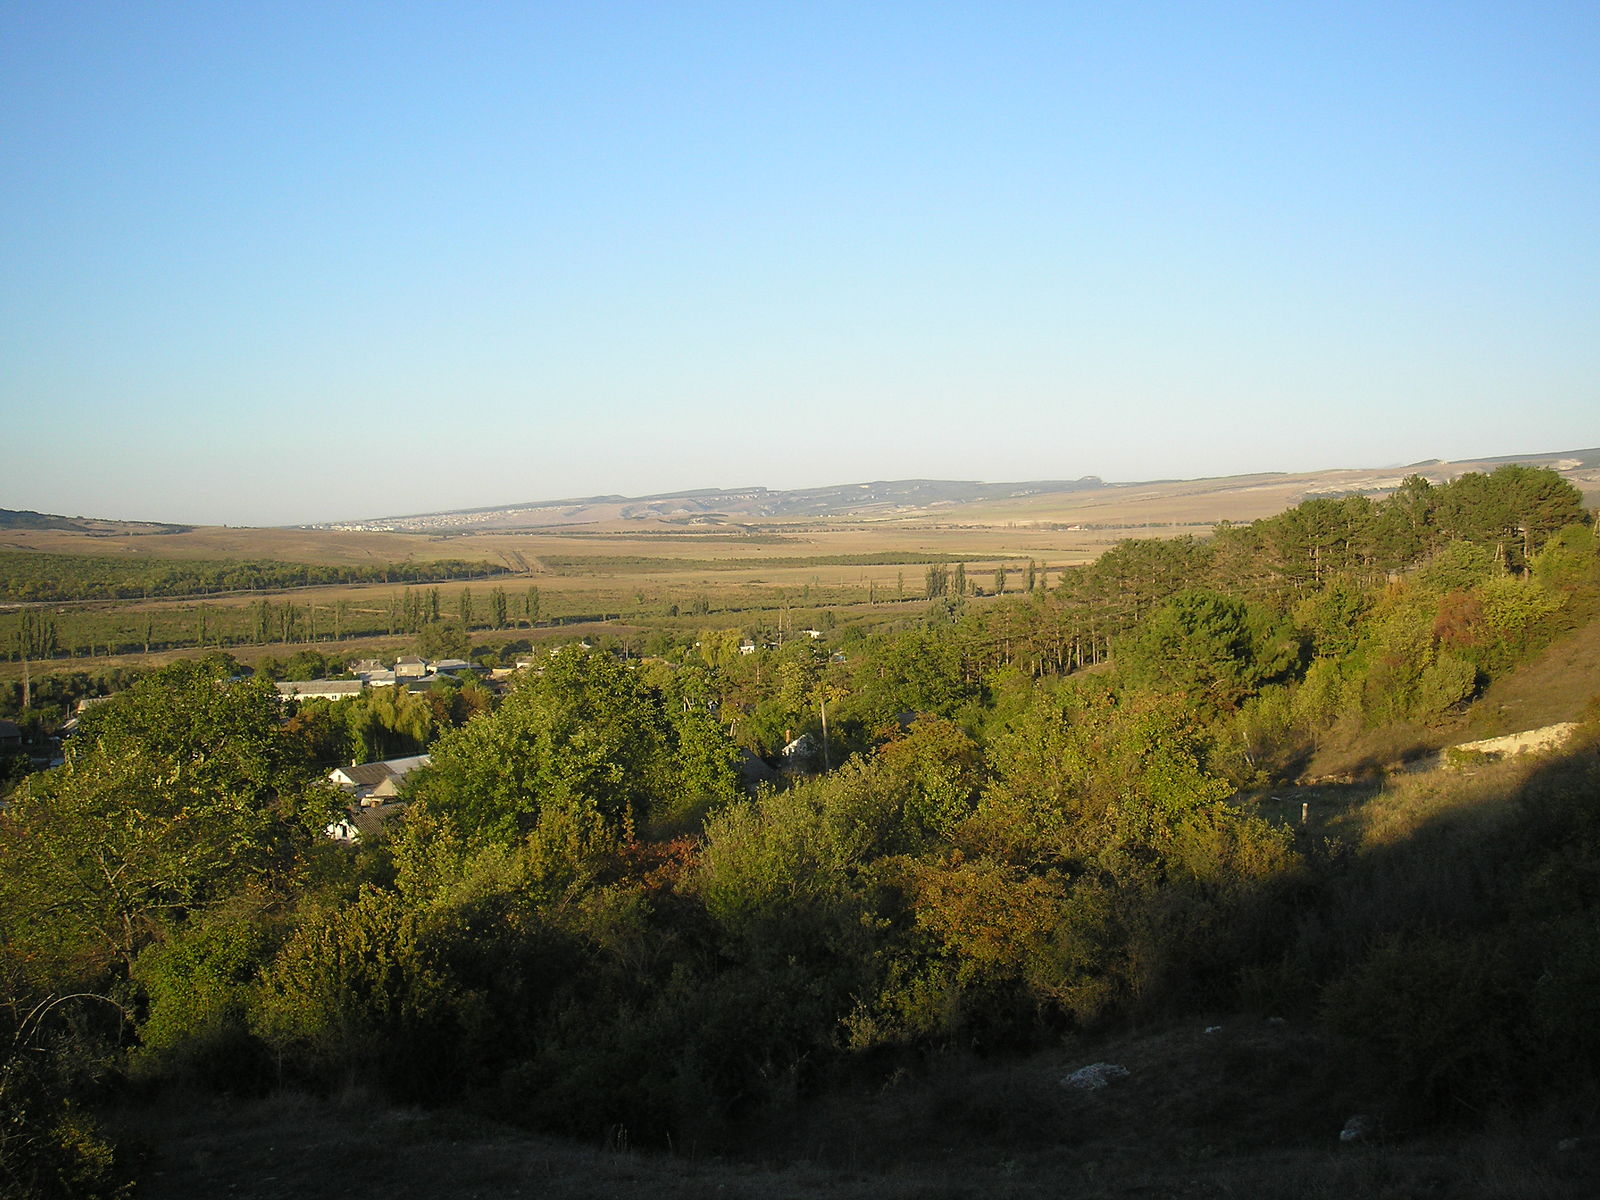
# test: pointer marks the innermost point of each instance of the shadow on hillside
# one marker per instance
(1451, 931)
(1436, 936)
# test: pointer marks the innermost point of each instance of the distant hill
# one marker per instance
(1090, 501)
(11, 518)
(948, 500)
(717, 505)
(14, 518)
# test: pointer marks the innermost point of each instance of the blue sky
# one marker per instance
(252, 253)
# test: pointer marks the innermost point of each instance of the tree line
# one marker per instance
(28, 576)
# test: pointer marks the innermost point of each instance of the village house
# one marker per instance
(375, 782)
(319, 689)
(372, 672)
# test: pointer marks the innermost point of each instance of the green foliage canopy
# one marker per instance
(1213, 648)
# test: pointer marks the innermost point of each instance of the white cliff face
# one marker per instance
(1530, 741)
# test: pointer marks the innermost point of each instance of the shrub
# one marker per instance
(1439, 1018)
(196, 984)
(1446, 682)
(352, 985)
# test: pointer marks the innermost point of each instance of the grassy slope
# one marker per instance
(1558, 684)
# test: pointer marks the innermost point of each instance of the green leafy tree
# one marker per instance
(585, 736)
(443, 639)
(1211, 647)
(1541, 504)
(306, 664)
(934, 770)
(706, 759)
(175, 793)
(917, 671)
(353, 984)
(1406, 528)
(196, 985)
(1570, 561)
(1515, 510)
(1333, 616)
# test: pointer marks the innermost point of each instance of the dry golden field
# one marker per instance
(1038, 526)
(522, 551)
(728, 570)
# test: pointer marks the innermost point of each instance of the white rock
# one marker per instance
(1095, 1075)
(1357, 1128)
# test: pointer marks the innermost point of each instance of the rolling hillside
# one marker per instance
(1089, 499)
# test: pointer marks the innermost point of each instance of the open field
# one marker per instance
(356, 622)
(1022, 525)
(522, 551)
(726, 569)
(628, 574)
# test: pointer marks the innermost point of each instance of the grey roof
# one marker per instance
(319, 687)
(366, 776)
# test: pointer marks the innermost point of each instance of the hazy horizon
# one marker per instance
(283, 264)
(576, 497)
